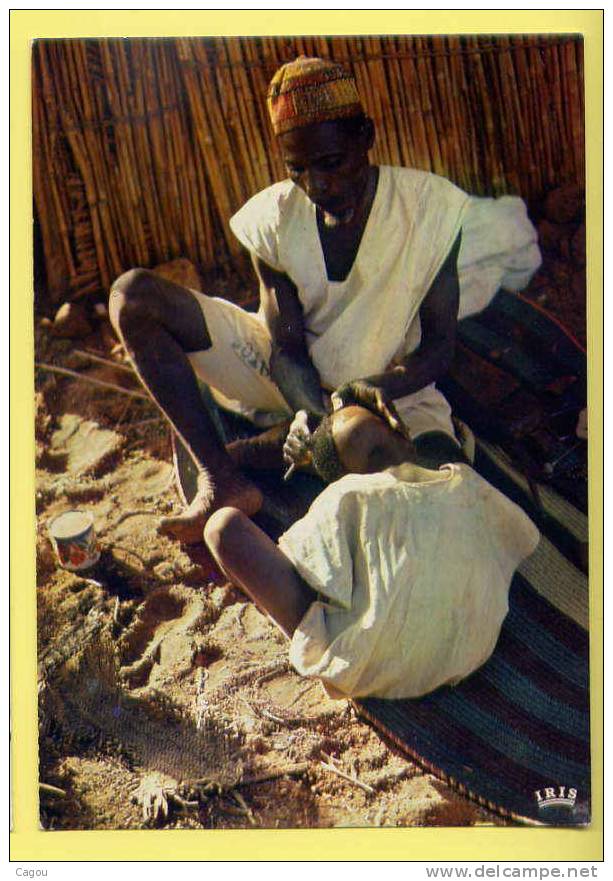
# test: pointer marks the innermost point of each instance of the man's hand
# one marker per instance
(296, 449)
(365, 394)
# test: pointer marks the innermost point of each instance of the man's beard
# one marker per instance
(331, 221)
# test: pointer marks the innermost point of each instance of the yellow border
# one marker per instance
(27, 841)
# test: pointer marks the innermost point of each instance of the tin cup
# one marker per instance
(74, 540)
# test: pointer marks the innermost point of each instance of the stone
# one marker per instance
(71, 321)
(87, 446)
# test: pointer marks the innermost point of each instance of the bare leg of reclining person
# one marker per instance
(362, 443)
(159, 322)
(253, 562)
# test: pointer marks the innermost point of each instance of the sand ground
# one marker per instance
(166, 699)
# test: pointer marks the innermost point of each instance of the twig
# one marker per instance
(183, 803)
(52, 368)
(52, 790)
(123, 413)
(278, 670)
(145, 422)
(136, 512)
(294, 771)
(239, 616)
(330, 766)
(245, 807)
(302, 693)
(93, 357)
(272, 717)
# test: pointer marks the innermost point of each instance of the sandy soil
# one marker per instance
(166, 698)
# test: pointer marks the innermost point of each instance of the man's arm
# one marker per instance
(439, 317)
(290, 365)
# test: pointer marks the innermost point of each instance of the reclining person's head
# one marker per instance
(355, 440)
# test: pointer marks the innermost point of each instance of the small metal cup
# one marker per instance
(74, 540)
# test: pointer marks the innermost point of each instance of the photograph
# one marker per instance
(310, 352)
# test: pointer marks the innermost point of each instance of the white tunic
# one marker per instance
(366, 323)
(413, 579)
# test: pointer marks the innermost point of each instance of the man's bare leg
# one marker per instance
(253, 562)
(159, 322)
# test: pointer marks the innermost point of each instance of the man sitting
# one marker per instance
(359, 290)
(396, 581)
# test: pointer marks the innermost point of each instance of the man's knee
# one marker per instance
(223, 532)
(131, 296)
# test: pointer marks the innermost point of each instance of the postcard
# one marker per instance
(301, 361)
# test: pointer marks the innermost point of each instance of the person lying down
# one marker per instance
(396, 580)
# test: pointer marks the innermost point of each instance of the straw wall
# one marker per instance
(144, 148)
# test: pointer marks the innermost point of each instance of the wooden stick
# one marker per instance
(330, 766)
(48, 789)
(292, 771)
(245, 807)
(52, 368)
(94, 357)
(137, 512)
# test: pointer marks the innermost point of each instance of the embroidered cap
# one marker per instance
(311, 90)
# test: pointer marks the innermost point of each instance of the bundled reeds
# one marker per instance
(143, 149)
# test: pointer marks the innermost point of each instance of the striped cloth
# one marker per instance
(515, 736)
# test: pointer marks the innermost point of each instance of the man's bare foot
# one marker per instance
(224, 490)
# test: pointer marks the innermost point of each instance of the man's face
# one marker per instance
(328, 163)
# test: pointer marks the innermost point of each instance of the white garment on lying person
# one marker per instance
(413, 580)
(366, 323)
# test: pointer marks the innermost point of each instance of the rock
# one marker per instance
(71, 321)
(565, 204)
(577, 246)
(182, 272)
(87, 446)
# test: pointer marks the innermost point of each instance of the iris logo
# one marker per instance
(559, 796)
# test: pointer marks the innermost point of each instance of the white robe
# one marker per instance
(369, 321)
(413, 580)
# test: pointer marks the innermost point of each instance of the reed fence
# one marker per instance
(144, 148)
